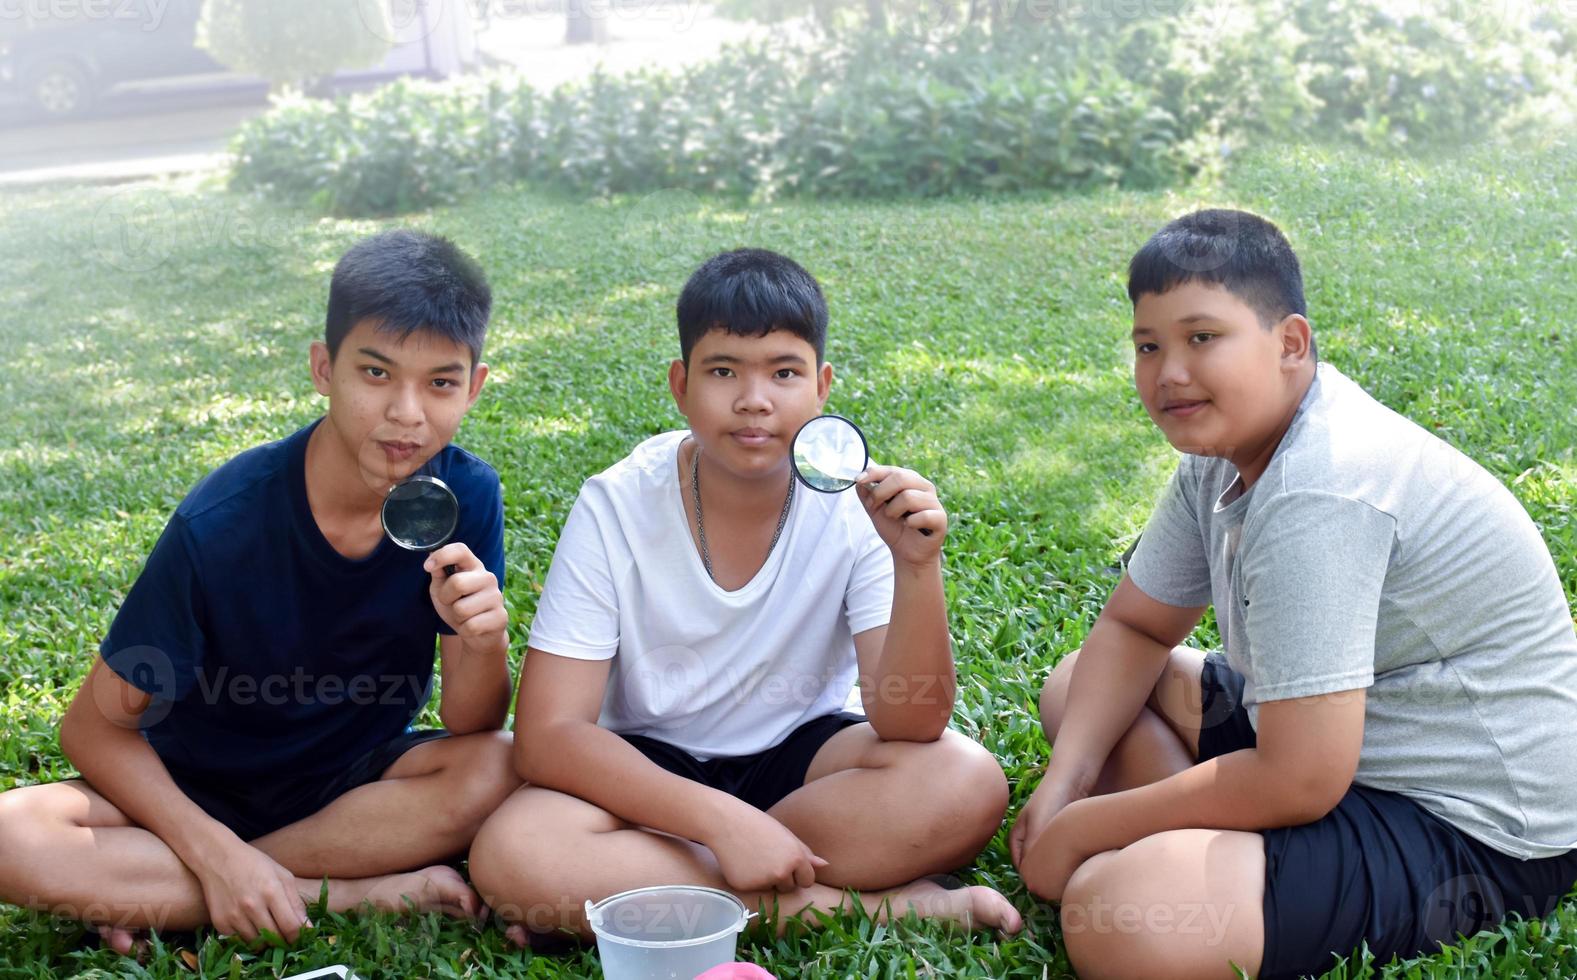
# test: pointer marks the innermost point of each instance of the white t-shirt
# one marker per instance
(715, 673)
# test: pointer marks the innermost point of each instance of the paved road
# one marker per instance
(145, 134)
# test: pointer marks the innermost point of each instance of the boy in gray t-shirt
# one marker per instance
(1377, 755)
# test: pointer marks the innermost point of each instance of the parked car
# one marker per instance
(65, 61)
(62, 57)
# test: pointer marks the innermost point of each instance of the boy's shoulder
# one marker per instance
(647, 467)
(233, 487)
(1346, 443)
(465, 472)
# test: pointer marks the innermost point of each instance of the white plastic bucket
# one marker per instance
(670, 932)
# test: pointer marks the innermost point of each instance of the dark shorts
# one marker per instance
(259, 807)
(761, 779)
(1378, 869)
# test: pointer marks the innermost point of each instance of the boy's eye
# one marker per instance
(1200, 338)
(785, 373)
(1145, 348)
(722, 372)
(443, 382)
(375, 372)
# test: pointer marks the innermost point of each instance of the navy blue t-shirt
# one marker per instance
(268, 652)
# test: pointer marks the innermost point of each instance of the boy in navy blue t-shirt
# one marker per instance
(246, 732)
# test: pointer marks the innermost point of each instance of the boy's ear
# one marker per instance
(478, 379)
(823, 384)
(1296, 336)
(322, 366)
(678, 382)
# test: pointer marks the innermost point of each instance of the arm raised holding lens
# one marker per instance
(907, 677)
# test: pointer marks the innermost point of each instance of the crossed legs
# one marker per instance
(1180, 904)
(883, 814)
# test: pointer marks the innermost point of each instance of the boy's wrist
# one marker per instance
(923, 569)
(494, 644)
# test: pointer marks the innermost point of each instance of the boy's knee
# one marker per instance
(1054, 696)
(1088, 926)
(484, 779)
(12, 823)
(24, 824)
(977, 791)
(513, 864)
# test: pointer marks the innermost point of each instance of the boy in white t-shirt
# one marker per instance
(736, 683)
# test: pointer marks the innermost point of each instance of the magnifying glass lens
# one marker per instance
(829, 453)
(420, 514)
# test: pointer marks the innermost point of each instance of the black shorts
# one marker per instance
(257, 807)
(1378, 869)
(761, 779)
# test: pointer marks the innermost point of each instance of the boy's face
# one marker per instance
(746, 397)
(393, 404)
(1214, 380)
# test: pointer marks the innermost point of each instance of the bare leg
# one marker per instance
(427, 807)
(65, 849)
(886, 813)
(545, 853)
(1164, 738)
(1181, 904)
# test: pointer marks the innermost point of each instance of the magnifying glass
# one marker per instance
(421, 514)
(829, 454)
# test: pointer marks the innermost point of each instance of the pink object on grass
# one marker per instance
(736, 971)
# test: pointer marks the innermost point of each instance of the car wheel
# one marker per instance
(60, 89)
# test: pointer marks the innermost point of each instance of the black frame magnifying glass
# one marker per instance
(421, 513)
(828, 453)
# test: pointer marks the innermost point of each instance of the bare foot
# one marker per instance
(122, 941)
(973, 907)
(436, 889)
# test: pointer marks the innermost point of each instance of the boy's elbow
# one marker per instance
(71, 739)
(532, 762)
(895, 727)
(463, 723)
(1314, 795)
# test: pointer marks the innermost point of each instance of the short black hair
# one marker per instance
(1241, 252)
(750, 292)
(407, 281)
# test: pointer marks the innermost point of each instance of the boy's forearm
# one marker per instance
(1112, 679)
(911, 697)
(598, 766)
(1236, 791)
(476, 690)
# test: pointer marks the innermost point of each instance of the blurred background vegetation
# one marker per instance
(884, 98)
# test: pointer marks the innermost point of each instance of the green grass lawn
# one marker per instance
(149, 333)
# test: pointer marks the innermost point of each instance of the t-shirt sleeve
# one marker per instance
(1312, 569)
(1170, 563)
(156, 642)
(868, 600)
(578, 612)
(482, 530)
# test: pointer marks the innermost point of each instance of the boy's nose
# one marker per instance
(753, 399)
(405, 407)
(1174, 372)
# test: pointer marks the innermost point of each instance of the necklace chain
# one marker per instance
(700, 524)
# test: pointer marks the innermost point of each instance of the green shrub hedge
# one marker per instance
(1062, 103)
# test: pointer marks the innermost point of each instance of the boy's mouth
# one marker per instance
(399, 450)
(751, 436)
(1182, 408)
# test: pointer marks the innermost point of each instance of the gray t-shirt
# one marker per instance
(1371, 554)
